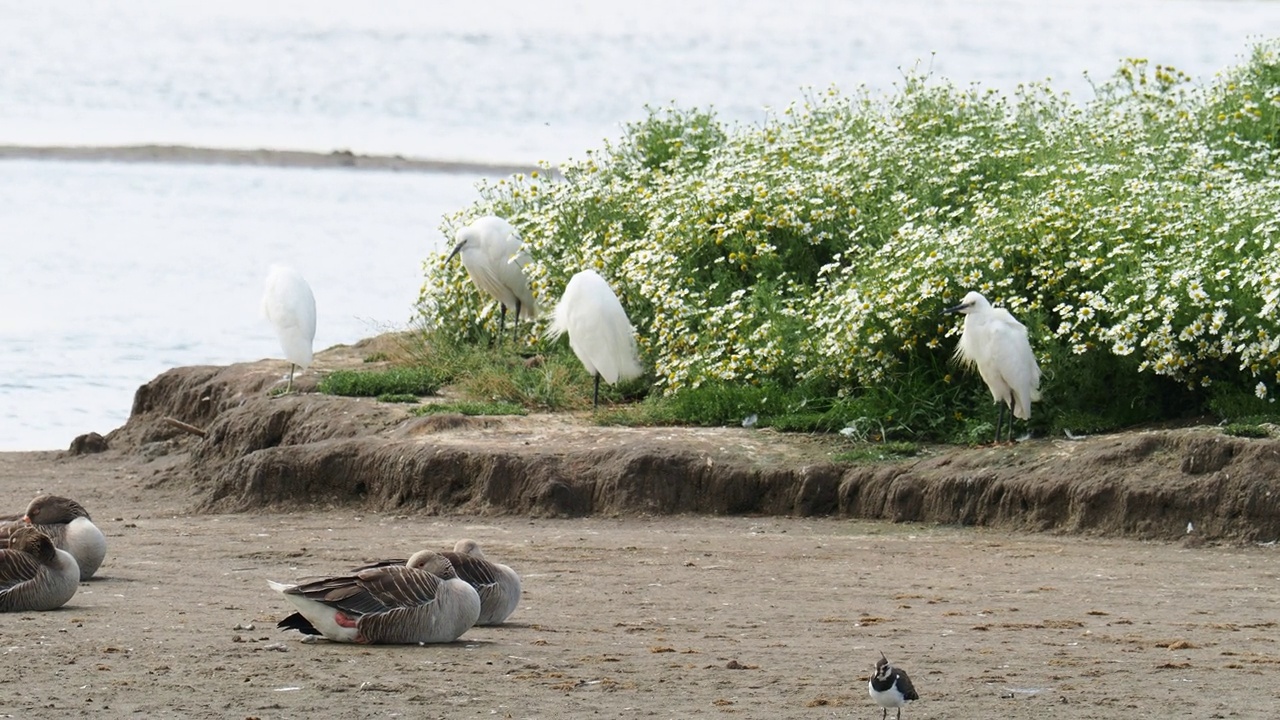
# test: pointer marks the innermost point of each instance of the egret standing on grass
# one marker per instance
(291, 308)
(490, 250)
(599, 331)
(997, 343)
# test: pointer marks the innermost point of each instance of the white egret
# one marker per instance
(599, 331)
(291, 308)
(490, 250)
(997, 343)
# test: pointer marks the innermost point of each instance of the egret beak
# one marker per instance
(952, 311)
(456, 249)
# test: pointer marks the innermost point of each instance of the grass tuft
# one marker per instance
(397, 398)
(467, 407)
(877, 452)
(1246, 431)
(376, 383)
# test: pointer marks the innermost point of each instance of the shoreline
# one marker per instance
(263, 157)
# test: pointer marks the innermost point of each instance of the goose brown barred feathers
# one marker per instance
(68, 524)
(421, 601)
(497, 585)
(34, 575)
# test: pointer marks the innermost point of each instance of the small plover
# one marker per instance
(890, 688)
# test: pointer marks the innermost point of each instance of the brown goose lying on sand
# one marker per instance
(497, 584)
(67, 523)
(34, 575)
(421, 601)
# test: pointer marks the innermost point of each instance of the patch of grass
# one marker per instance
(377, 357)
(652, 412)
(376, 383)
(1245, 430)
(468, 407)
(397, 398)
(530, 372)
(877, 452)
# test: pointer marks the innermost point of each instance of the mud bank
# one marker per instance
(313, 450)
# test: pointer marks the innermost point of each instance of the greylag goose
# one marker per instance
(497, 585)
(421, 601)
(34, 575)
(67, 523)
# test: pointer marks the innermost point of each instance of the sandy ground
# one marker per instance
(671, 617)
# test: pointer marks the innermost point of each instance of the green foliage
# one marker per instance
(1238, 405)
(1241, 115)
(1246, 431)
(796, 270)
(377, 383)
(397, 398)
(467, 407)
(541, 376)
(670, 139)
(376, 357)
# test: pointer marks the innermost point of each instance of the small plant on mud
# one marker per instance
(466, 407)
(1245, 430)
(877, 452)
(397, 398)
(374, 383)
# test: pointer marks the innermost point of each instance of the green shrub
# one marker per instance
(807, 259)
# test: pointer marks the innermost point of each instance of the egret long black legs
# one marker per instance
(515, 323)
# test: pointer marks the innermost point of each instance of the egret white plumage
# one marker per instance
(291, 307)
(600, 333)
(997, 343)
(490, 250)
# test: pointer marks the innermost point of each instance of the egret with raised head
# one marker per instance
(490, 251)
(997, 344)
(600, 333)
(291, 307)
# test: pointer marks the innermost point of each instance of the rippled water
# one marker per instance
(113, 273)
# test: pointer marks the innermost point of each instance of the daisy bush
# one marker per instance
(799, 267)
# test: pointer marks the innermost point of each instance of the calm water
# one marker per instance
(113, 273)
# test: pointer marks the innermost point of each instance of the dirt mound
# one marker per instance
(238, 449)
